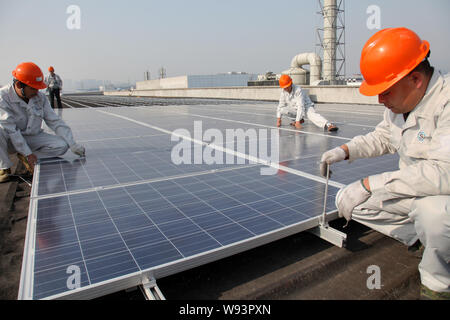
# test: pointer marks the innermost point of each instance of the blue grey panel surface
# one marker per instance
(119, 231)
(115, 156)
(113, 169)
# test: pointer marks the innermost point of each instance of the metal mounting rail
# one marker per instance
(151, 291)
(329, 234)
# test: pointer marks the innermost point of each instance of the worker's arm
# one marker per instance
(61, 129)
(8, 124)
(373, 144)
(281, 104)
(60, 82)
(427, 176)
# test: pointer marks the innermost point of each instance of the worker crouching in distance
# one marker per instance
(22, 109)
(412, 203)
(295, 104)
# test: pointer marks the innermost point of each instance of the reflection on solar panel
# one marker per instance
(127, 213)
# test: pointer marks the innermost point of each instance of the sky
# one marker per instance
(120, 40)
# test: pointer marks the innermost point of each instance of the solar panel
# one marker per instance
(126, 212)
(119, 231)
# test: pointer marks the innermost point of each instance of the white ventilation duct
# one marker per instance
(300, 75)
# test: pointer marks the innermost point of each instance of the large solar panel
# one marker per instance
(115, 232)
(127, 212)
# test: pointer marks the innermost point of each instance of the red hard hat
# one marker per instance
(285, 81)
(51, 69)
(30, 74)
(388, 56)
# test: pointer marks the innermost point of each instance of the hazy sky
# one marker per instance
(119, 40)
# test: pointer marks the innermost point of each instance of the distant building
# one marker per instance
(231, 79)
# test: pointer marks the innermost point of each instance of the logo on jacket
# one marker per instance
(421, 136)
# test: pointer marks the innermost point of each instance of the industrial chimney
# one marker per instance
(329, 40)
(332, 40)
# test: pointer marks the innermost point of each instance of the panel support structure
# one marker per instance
(151, 290)
(323, 230)
(329, 234)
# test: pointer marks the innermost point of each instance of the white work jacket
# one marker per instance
(53, 82)
(20, 119)
(295, 100)
(422, 142)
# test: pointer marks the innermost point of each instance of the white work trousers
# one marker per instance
(424, 218)
(311, 113)
(43, 145)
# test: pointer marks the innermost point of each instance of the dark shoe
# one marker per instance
(331, 127)
(428, 294)
(4, 175)
(25, 162)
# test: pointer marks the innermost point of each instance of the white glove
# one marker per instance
(331, 156)
(78, 149)
(350, 197)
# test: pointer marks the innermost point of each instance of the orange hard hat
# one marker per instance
(51, 69)
(388, 56)
(285, 81)
(30, 74)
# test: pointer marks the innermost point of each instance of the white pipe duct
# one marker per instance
(298, 74)
(314, 62)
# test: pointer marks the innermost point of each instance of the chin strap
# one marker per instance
(22, 89)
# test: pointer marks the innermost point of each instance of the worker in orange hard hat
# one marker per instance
(54, 84)
(411, 204)
(295, 104)
(22, 109)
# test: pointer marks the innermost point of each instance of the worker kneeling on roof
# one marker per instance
(22, 109)
(412, 203)
(296, 104)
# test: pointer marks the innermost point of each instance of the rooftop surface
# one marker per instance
(130, 146)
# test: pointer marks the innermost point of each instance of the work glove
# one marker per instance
(350, 197)
(78, 149)
(331, 156)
